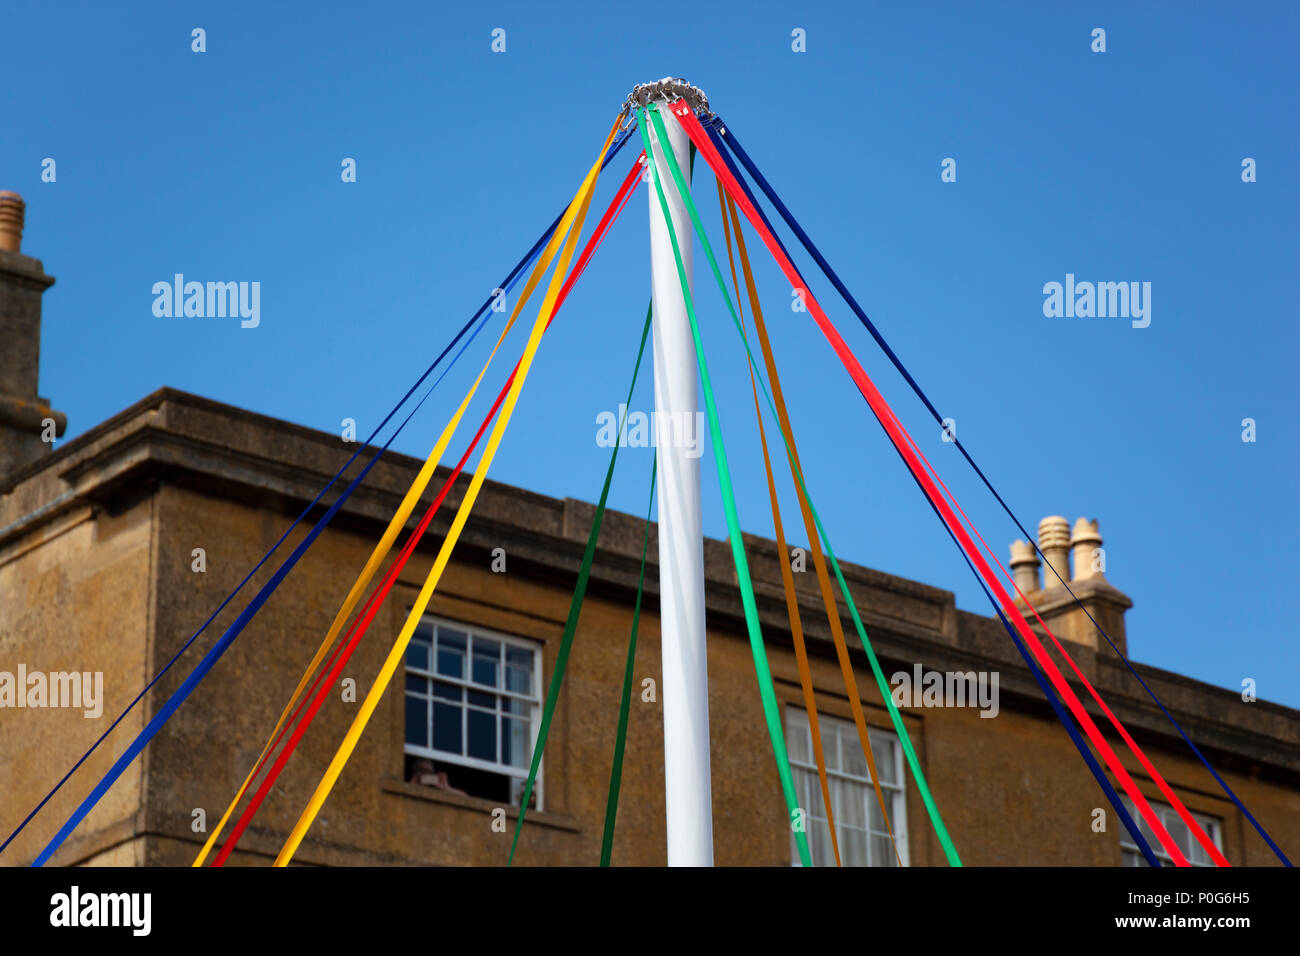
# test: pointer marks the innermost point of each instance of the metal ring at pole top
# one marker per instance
(669, 88)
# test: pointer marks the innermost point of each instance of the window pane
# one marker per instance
(885, 751)
(512, 705)
(853, 848)
(1177, 829)
(831, 744)
(1211, 829)
(452, 639)
(446, 728)
(799, 801)
(519, 670)
(447, 691)
(417, 685)
(1144, 828)
(882, 851)
(417, 721)
(848, 799)
(451, 652)
(855, 761)
(819, 843)
(797, 776)
(875, 820)
(515, 738)
(796, 744)
(1196, 853)
(479, 699)
(800, 789)
(487, 662)
(812, 797)
(482, 735)
(417, 654)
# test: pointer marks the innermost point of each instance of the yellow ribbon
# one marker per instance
(394, 528)
(574, 218)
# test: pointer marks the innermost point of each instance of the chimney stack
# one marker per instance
(27, 423)
(1098, 600)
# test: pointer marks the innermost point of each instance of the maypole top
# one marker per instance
(669, 88)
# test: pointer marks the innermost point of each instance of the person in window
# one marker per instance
(426, 775)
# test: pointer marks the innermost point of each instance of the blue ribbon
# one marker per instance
(213, 655)
(1046, 688)
(1067, 721)
(719, 132)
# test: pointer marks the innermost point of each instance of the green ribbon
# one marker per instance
(950, 851)
(625, 706)
(766, 692)
(575, 606)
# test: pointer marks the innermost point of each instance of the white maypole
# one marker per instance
(685, 690)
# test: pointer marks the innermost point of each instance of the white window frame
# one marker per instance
(1212, 825)
(533, 698)
(895, 794)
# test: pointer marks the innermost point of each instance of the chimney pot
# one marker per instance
(1054, 542)
(1024, 566)
(12, 209)
(1085, 543)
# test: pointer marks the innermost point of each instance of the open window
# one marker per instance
(473, 700)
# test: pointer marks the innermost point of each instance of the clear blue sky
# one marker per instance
(1124, 165)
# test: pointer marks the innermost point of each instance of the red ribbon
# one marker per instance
(380, 593)
(903, 443)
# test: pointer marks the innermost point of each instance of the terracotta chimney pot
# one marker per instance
(12, 209)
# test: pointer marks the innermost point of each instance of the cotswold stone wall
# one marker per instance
(98, 572)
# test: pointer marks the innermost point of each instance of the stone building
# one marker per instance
(99, 574)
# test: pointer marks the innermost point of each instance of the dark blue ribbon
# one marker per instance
(213, 655)
(1067, 720)
(1048, 692)
(720, 133)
